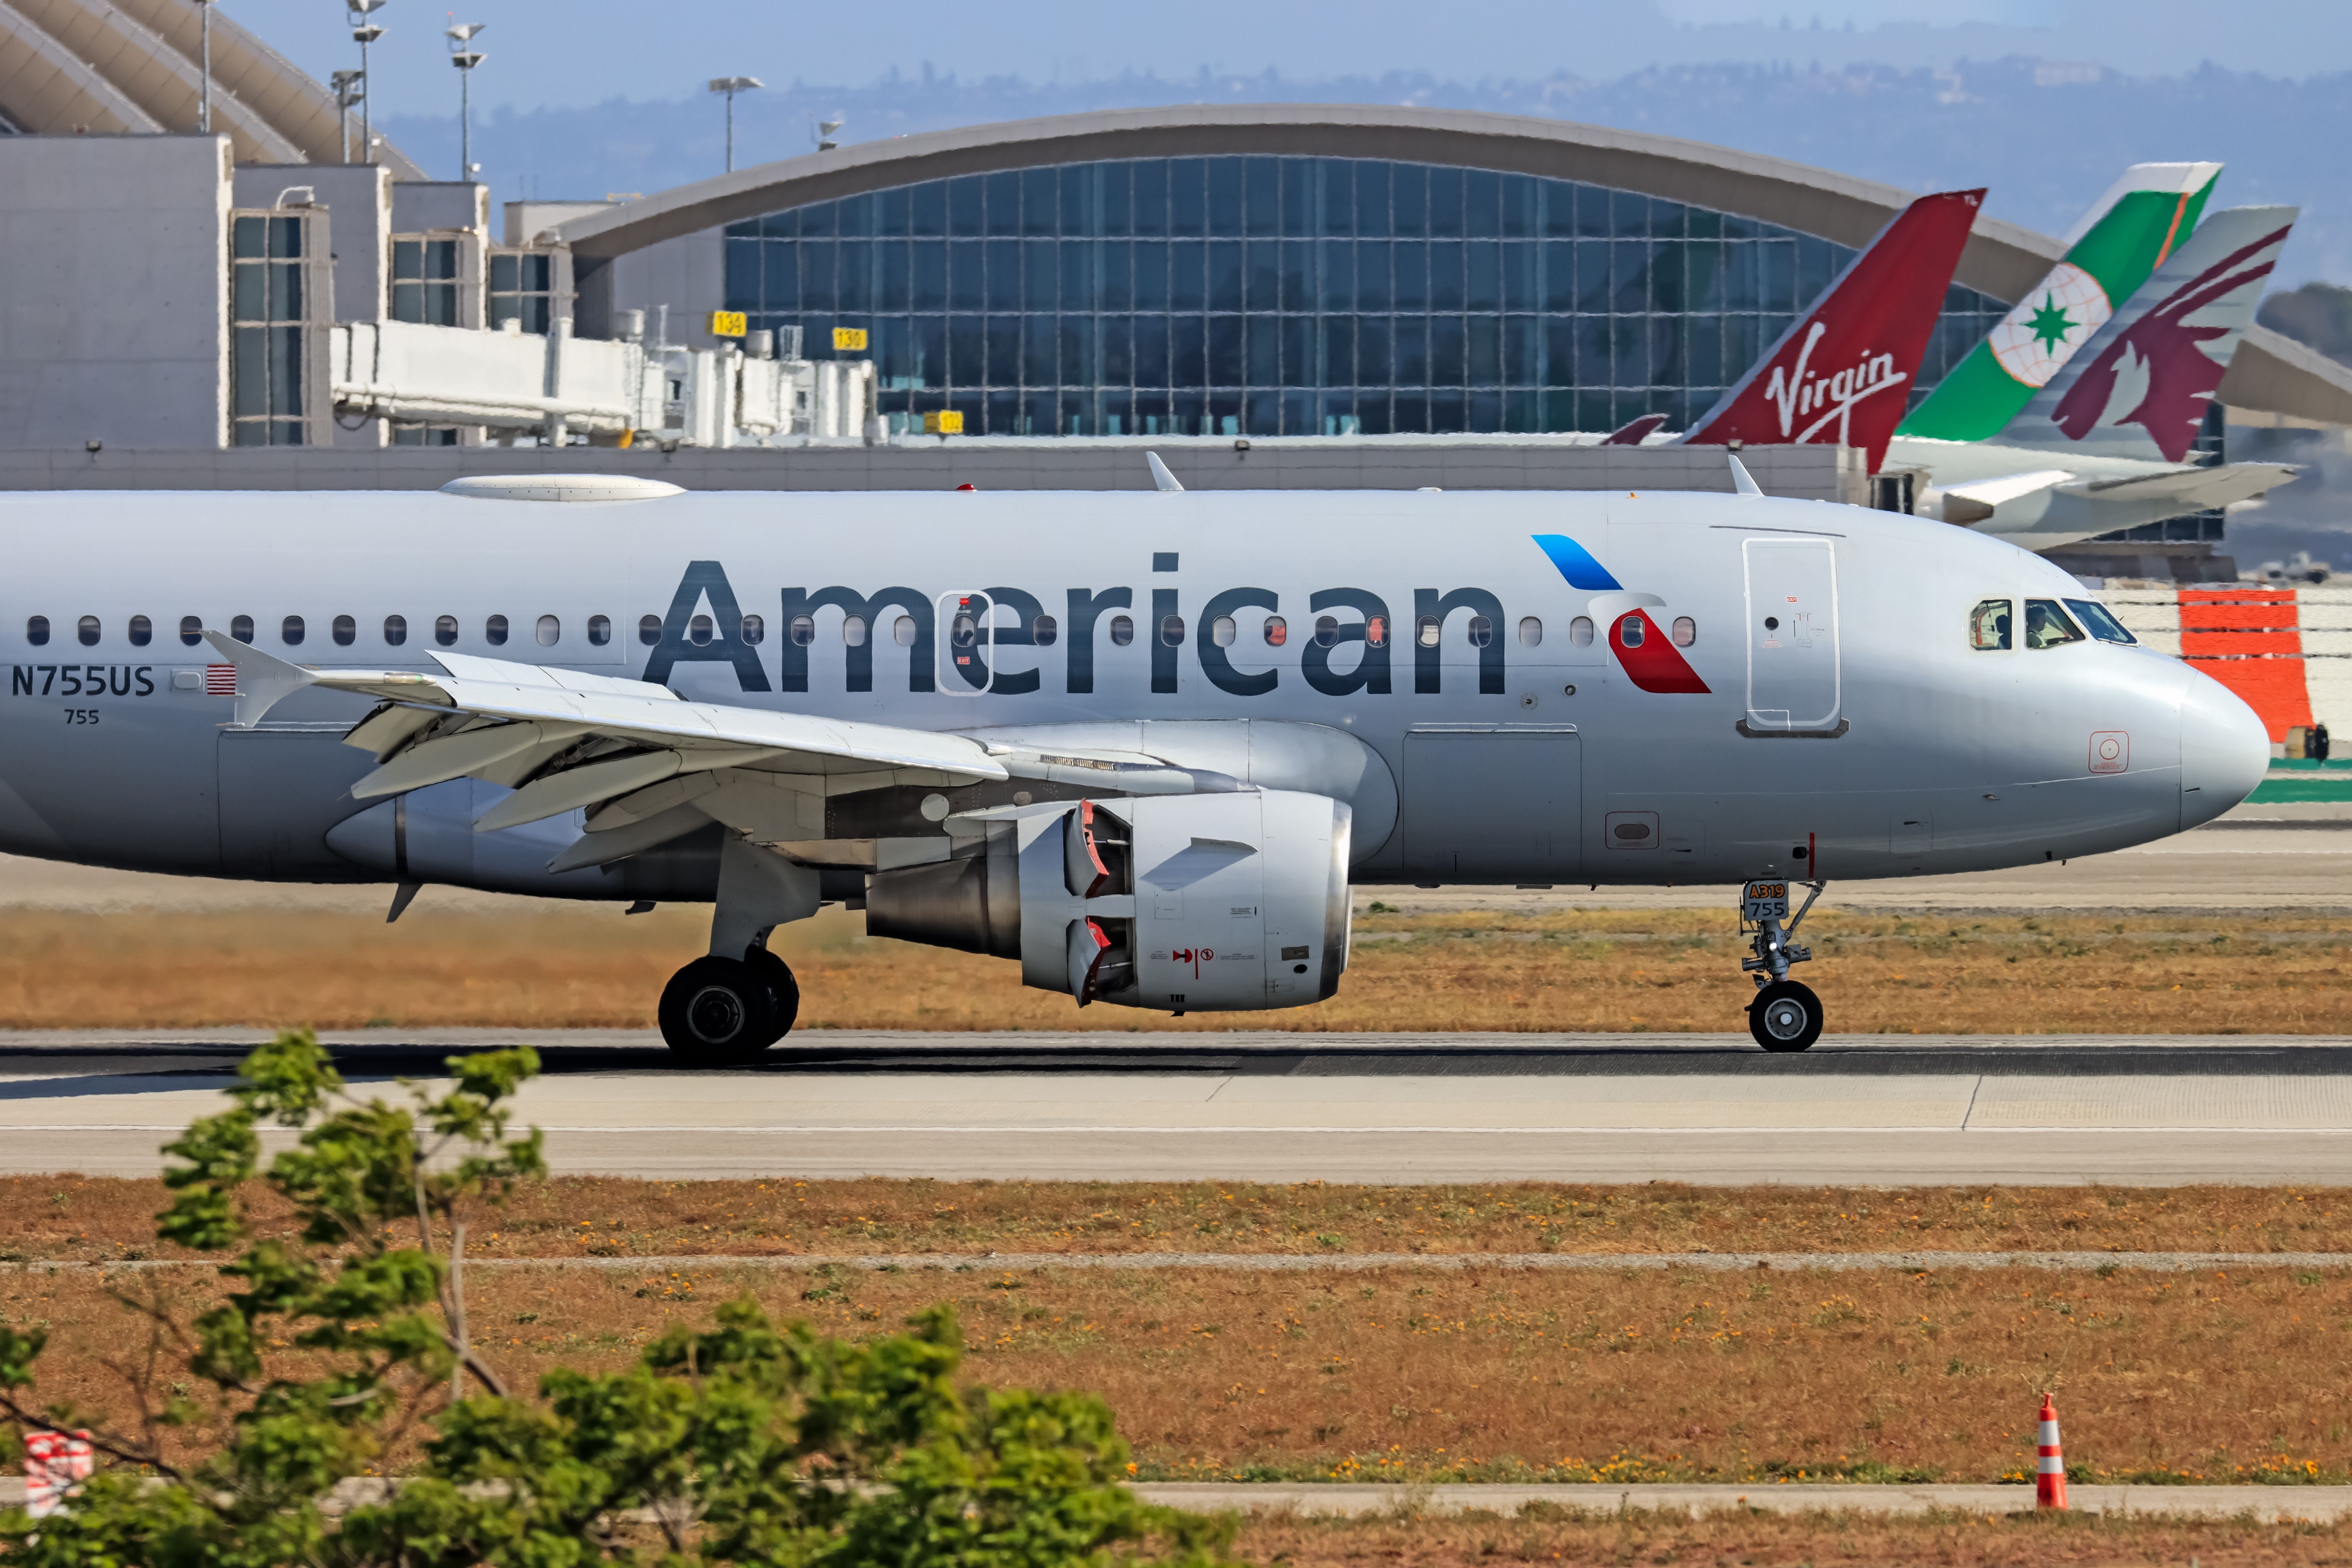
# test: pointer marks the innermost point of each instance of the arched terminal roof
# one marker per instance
(2269, 373)
(132, 67)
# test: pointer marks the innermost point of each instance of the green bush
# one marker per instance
(748, 1442)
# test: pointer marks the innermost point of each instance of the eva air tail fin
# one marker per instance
(2138, 387)
(1844, 371)
(2127, 235)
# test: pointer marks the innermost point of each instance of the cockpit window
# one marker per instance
(2100, 621)
(1989, 625)
(2046, 624)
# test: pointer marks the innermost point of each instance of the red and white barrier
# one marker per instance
(55, 1465)
(2287, 651)
(2050, 1468)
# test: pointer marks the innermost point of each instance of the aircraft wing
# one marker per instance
(2195, 488)
(562, 739)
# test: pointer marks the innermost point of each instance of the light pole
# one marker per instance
(463, 54)
(205, 100)
(348, 90)
(730, 86)
(363, 33)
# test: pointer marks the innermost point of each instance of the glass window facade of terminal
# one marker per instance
(1250, 296)
(267, 253)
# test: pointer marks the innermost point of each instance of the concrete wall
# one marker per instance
(689, 273)
(358, 199)
(1816, 473)
(424, 207)
(114, 253)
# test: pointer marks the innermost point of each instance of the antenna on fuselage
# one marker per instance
(1161, 479)
(1741, 479)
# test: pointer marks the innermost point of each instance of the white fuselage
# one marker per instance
(1865, 726)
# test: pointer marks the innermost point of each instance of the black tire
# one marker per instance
(783, 993)
(1785, 1016)
(716, 1011)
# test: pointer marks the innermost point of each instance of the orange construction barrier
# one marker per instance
(2050, 1470)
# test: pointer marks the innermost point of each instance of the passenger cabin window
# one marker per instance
(143, 631)
(1530, 631)
(1686, 631)
(1326, 631)
(494, 631)
(395, 630)
(37, 630)
(803, 630)
(1044, 631)
(1426, 631)
(346, 631)
(550, 631)
(445, 630)
(87, 630)
(1631, 631)
(241, 627)
(191, 630)
(1278, 631)
(600, 630)
(1580, 631)
(1122, 630)
(1482, 632)
(1223, 630)
(2046, 624)
(2100, 621)
(853, 630)
(1376, 630)
(1988, 625)
(1171, 630)
(649, 630)
(754, 630)
(289, 631)
(902, 631)
(700, 630)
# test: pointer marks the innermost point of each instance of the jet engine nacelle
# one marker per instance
(1208, 902)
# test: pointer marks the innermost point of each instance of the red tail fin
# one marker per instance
(1630, 433)
(1845, 371)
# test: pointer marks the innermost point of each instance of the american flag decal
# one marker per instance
(220, 680)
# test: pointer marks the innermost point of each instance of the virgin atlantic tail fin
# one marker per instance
(1843, 373)
(2138, 386)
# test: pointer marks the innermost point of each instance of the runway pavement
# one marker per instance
(1283, 1107)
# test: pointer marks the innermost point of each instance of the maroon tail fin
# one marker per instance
(1845, 371)
(1630, 433)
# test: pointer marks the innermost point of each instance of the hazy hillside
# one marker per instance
(2046, 139)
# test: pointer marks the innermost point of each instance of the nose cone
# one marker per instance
(2224, 751)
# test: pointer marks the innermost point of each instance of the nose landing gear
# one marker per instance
(1785, 1015)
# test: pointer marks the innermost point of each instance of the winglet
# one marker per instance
(1741, 479)
(263, 680)
(1161, 479)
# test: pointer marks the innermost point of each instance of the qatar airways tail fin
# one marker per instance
(2138, 386)
(1843, 373)
(2128, 234)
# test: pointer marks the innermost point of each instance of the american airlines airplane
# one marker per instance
(1140, 742)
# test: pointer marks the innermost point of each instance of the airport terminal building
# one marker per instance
(1278, 273)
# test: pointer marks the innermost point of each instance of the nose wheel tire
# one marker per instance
(720, 1010)
(1785, 1016)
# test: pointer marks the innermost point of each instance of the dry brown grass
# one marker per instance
(1733, 1539)
(87, 1219)
(1404, 1373)
(1672, 970)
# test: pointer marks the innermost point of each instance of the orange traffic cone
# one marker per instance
(2050, 1470)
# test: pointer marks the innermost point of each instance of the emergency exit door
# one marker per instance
(1792, 635)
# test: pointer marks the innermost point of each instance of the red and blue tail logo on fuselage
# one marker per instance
(1642, 649)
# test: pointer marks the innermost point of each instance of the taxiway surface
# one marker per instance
(1286, 1107)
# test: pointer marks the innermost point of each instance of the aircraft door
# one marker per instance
(1493, 805)
(964, 622)
(1793, 635)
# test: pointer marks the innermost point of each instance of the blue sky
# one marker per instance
(590, 51)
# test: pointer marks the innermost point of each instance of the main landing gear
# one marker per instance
(1785, 1015)
(717, 1010)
